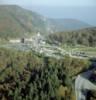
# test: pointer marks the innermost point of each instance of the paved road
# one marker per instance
(83, 84)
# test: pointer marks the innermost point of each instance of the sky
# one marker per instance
(84, 10)
(51, 2)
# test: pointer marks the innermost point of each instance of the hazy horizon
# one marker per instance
(84, 10)
(86, 14)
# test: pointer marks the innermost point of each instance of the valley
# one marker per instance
(40, 57)
(39, 45)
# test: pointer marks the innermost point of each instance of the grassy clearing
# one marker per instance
(88, 51)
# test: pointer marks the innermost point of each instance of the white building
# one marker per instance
(15, 41)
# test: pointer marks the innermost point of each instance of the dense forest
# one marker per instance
(30, 76)
(85, 37)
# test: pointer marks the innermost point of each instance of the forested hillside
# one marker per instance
(85, 37)
(29, 76)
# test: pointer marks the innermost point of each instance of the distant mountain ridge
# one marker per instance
(17, 22)
(69, 24)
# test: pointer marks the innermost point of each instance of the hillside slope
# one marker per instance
(11, 21)
(18, 22)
